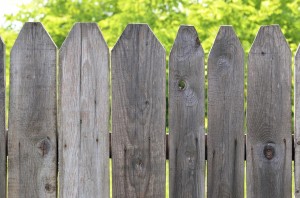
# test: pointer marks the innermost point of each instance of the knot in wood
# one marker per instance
(139, 164)
(181, 85)
(191, 159)
(269, 151)
(44, 146)
(224, 64)
(50, 188)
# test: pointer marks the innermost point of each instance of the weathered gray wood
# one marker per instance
(32, 147)
(186, 115)
(269, 145)
(297, 122)
(2, 122)
(138, 114)
(225, 136)
(84, 113)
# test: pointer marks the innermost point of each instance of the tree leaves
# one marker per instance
(164, 17)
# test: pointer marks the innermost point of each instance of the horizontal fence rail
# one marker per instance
(205, 140)
(58, 143)
(168, 147)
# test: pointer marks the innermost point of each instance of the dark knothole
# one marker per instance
(181, 85)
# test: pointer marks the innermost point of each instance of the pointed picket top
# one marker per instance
(34, 32)
(226, 42)
(186, 43)
(2, 49)
(269, 40)
(134, 33)
(76, 29)
(297, 55)
(1, 41)
(2, 54)
(3, 142)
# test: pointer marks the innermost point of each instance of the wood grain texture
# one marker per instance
(2, 122)
(225, 136)
(84, 113)
(269, 145)
(32, 138)
(138, 114)
(186, 115)
(297, 122)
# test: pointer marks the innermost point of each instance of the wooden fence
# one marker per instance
(59, 142)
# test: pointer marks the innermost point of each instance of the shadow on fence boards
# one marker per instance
(58, 124)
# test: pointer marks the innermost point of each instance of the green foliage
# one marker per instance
(163, 16)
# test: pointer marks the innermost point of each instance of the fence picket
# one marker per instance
(32, 147)
(2, 122)
(225, 136)
(269, 145)
(138, 114)
(84, 113)
(186, 107)
(297, 125)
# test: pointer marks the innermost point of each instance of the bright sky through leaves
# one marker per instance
(10, 7)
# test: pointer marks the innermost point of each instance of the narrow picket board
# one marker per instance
(84, 113)
(186, 115)
(297, 121)
(32, 147)
(2, 122)
(269, 144)
(225, 137)
(138, 114)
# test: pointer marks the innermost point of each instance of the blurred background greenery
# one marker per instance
(163, 16)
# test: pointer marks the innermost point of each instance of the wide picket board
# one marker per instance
(186, 115)
(225, 136)
(269, 144)
(138, 114)
(84, 113)
(32, 138)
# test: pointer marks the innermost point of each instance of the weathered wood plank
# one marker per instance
(2, 122)
(84, 113)
(297, 122)
(186, 115)
(32, 147)
(138, 114)
(225, 136)
(269, 146)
